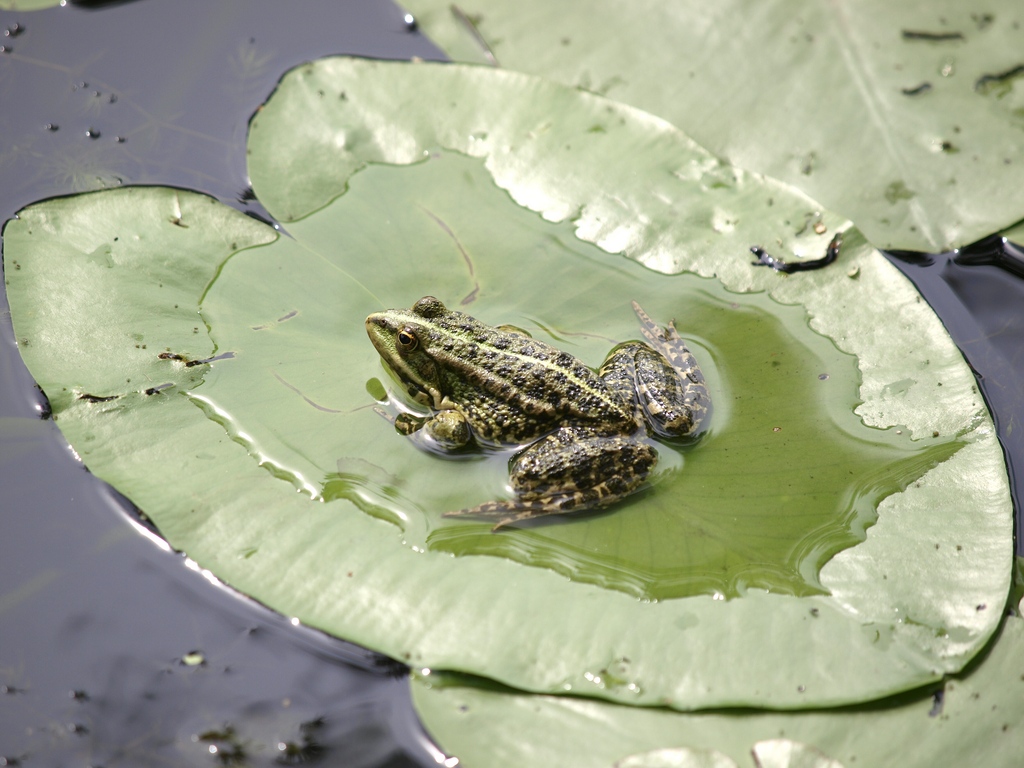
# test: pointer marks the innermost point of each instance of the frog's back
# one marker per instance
(513, 388)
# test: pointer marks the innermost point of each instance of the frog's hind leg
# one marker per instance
(568, 471)
(670, 386)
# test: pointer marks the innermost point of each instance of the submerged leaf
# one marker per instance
(220, 377)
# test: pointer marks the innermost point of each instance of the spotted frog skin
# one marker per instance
(583, 430)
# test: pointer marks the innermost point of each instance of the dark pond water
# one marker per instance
(113, 651)
(100, 627)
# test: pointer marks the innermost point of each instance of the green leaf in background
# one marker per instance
(224, 383)
(28, 5)
(905, 117)
(974, 719)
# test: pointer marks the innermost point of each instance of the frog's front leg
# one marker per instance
(448, 429)
(570, 470)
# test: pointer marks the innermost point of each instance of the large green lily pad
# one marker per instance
(906, 117)
(219, 376)
(28, 5)
(974, 719)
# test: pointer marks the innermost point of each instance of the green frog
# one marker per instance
(584, 432)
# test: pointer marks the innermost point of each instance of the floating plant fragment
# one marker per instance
(219, 376)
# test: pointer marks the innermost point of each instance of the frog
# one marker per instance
(581, 436)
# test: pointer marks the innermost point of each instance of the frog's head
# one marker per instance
(403, 338)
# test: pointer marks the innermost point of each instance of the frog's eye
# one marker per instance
(407, 340)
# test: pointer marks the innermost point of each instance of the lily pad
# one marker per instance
(28, 5)
(974, 719)
(904, 117)
(223, 382)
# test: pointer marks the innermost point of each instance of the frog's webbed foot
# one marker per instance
(669, 343)
(507, 512)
